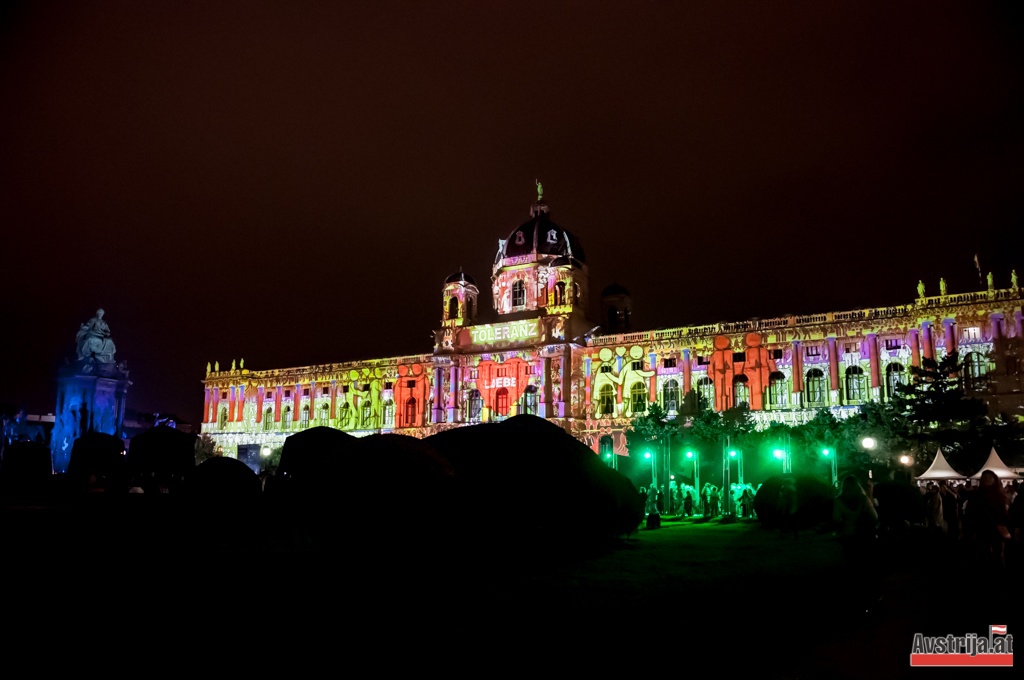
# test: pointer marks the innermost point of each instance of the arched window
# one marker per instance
(894, 377)
(670, 396)
(577, 294)
(560, 293)
(528, 402)
(410, 412)
(975, 370)
(325, 415)
(606, 401)
(476, 406)
(268, 420)
(740, 391)
(778, 390)
(389, 413)
(344, 415)
(304, 418)
(501, 401)
(855, 390)
(518, 293)
(366, 420)
(706, 393)
(453, 307)
(222, 419)
(638, 398)
(814, 388)
(286, 418)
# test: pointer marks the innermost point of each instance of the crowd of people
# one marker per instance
(684, 500)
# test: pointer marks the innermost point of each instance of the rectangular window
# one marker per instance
(389, 386)
(638, 365)
(410, 383)
(668, 362)
(739, 356)
(305, 392)
(892, 344)
(287, 393)
(702, 361)
(606, 368)
(325, 391)
(813, 351)
(776, 354)
(223, 395)
(973, 333)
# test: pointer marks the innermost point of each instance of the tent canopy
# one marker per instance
(941, 469)
(996, 465)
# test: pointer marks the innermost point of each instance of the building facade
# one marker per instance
(545, 357)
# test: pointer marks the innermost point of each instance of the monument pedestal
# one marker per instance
(90, 398)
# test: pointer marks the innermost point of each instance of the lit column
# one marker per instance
(1018, 323)
(312, 401)
(798, 372)
(546, 408)
(453, 394)
(439, 406)
(873, 349)
(259, 404)
(586, 382)
(654, 378)
(231, 405)
(563, 383)
(296, 402)
(334, 400)
(996, 324)
(206, 406)
(915, 347)
(687, 372)
(241, 403)
(949, 327)
(277, 404)
(927, 349)
(833, 364)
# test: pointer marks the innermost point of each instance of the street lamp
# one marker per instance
(696, 470)
(835, 465)
(787, 463)
(906, 460)
(727, 461)
(654, 472)
(868, 443)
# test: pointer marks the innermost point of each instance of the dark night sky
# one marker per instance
(291, 182)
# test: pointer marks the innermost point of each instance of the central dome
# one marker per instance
(542, 237)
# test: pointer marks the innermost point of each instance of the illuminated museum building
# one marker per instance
(546, 358)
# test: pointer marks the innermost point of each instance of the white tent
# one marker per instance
(940, 469)
(996, 465)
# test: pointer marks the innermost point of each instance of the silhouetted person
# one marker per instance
(856, 517)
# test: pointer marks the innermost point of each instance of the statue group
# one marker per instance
(93, 341)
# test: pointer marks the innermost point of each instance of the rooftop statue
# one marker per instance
(93, 340)
(920, 289)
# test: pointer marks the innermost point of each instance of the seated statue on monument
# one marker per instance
(94, 343)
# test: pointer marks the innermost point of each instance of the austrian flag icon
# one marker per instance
(997, 630)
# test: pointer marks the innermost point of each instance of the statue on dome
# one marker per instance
(942, 286)
(920, 289)
(1013, 278)
(93, 340)
(540, 191)
(991, 283)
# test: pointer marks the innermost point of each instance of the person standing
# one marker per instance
(705, 501)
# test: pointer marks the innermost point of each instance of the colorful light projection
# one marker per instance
(412, 393)
(618, 374)
(502, 334)
(740, 376)
(501, 384)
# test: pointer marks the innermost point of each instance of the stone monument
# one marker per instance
(91, 391)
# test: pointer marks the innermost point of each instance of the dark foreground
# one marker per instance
(727, 597)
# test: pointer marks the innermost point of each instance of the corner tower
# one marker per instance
(459, 307)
